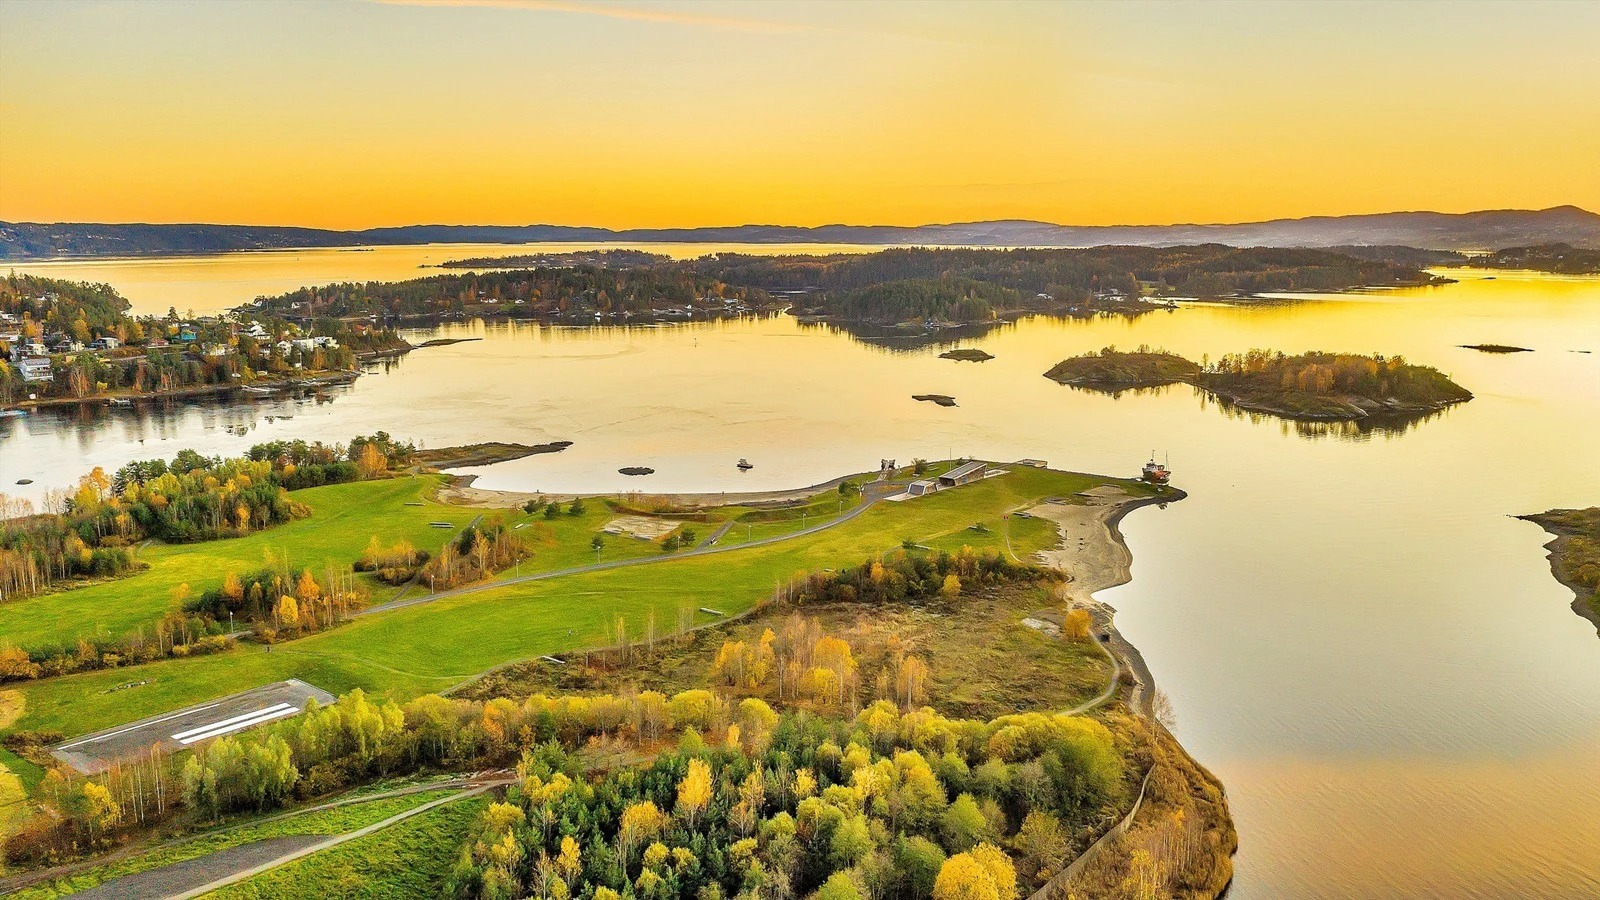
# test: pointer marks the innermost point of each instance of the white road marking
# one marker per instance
(257, 719)
(228, 721)
(134, 727)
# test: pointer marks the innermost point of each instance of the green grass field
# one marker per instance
(433, 646)
(338, 820)
(344, 517)
(408, 859)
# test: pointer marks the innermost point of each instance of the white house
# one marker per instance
(35, 368)
(26, 348)
(105, 343)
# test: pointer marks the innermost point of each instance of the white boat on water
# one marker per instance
(745, 464)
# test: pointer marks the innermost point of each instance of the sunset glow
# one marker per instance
(359, 114)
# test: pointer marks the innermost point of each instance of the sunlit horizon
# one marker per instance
(373, 113)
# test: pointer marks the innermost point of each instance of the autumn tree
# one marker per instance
(951, 588)
(694, 791)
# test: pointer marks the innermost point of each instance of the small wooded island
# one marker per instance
(1312, 385)
(1575, 555)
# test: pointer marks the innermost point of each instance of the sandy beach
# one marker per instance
(461, 493)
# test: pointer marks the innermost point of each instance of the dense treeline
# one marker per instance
(1318, 374)
(160, 354)
(1066, 276)
(892, 285)
(887, 803)
(931, 299)
(1563, 259)
(613, 259)
(1114, 370)
(88, 532)
(1313, 385)
(539, 291)
(79, 308)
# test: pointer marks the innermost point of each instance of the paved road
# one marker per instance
(243, 869)
(871, 494)
(36, 876)
(179, 877)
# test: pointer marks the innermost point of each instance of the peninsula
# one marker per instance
(811, 637)
(1308, 386)
(1575, 555)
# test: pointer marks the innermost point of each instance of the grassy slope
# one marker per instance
(984, 662)
(338, 820)
(436, 645)
(407, 859)
(344, 517)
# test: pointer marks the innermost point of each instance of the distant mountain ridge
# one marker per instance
(1482, 230)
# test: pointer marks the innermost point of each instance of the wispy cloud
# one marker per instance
(629, 13)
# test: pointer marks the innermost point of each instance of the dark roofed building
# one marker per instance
(966, 473)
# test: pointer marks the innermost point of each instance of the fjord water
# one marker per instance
(1356, 636)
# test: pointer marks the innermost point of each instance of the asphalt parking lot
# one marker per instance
(191, 726)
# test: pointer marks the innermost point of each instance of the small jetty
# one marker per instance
(637, 470)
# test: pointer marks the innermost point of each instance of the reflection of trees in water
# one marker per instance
(1117, 391)
(914, 338)
(907, 340)
(1365, 429)
(1386, 426)
(162, 418)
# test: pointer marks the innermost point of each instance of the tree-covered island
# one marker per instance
(1310, 386)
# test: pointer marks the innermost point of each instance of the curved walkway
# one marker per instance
(871, 494)
(25, 879)
(246, 866)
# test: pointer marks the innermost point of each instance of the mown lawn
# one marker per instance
(408, 859)
(338, 820)
(436, 645)
(344, 517)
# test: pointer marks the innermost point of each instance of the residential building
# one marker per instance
(35, 368)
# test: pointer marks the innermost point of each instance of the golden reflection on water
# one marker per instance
(213, 283)
(1357, 638)
(1447, 828)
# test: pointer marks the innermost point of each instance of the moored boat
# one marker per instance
(1156, 473)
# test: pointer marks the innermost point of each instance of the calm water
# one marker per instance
(1356, 636)
(219, 282)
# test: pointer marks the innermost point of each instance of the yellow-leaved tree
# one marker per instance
(694, 791)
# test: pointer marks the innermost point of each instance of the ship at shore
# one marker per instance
(1156, 473)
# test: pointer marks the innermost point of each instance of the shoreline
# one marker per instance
(1554, 548)
(1094, 526)
(460, 492)
(1099, 540)
(189, 393)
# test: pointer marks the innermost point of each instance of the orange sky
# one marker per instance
(364, 113)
